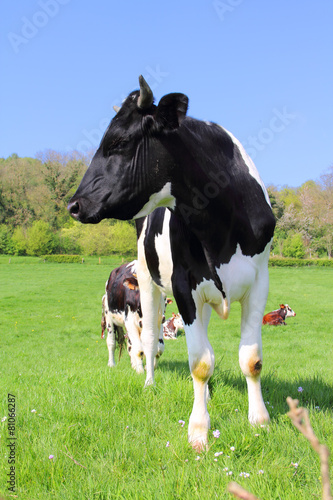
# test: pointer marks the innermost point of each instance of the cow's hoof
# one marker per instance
(111, 365)
(259, 418)
(149, 383)
(197, 437)
(199, 444)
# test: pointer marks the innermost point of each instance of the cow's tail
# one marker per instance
(120, 339)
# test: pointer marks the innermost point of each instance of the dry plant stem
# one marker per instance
(75, 461)
(300, 419)
(239, 492)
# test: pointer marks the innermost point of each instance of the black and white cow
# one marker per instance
(121, 309)
(220, 227)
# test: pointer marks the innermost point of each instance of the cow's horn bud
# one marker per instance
(116, 108)
(146, 97)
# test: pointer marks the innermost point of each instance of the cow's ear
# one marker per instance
(131, 284)
(171, 111)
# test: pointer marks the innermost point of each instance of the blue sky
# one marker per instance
(262, 69)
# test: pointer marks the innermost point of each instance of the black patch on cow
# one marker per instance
(139, 225)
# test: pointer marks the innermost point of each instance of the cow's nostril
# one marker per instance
(74, 208)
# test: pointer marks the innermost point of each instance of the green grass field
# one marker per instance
(109, 437)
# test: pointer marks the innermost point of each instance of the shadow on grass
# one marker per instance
(310, 391)
(180, 367)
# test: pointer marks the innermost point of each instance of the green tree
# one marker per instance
(60, 173)
(19, 241)
(123, 238)
(293, 246)
(6, 244)
(41, 239)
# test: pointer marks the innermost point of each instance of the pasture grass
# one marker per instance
(109, 437)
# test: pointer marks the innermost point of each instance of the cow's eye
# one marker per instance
(117, 143)
(115, 146)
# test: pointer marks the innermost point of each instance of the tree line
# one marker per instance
(34, 193)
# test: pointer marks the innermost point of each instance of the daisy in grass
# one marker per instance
(216, 433)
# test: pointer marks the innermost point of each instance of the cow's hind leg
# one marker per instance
(111, 341)
(135, 349)
(201, 361)
(250, 349)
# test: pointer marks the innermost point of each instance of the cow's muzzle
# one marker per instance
(74, 209)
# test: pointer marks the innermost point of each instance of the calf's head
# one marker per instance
(131, 172)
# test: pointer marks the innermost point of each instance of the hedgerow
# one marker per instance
(290, 262)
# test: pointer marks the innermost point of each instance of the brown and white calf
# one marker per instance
(121, 309)
(172, 325)
(278, 316)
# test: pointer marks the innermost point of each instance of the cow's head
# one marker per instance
(290, 312)
(130, 174)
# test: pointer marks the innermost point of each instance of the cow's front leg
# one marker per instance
(151, 299)
(201, 362)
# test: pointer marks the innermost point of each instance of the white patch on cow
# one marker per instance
(132, 266)
(249, 163)
(153, 307)
(162, 244)
(117, 318)
(163, 198)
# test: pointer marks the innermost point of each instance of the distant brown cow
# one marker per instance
(171, 326)
(278, 316)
